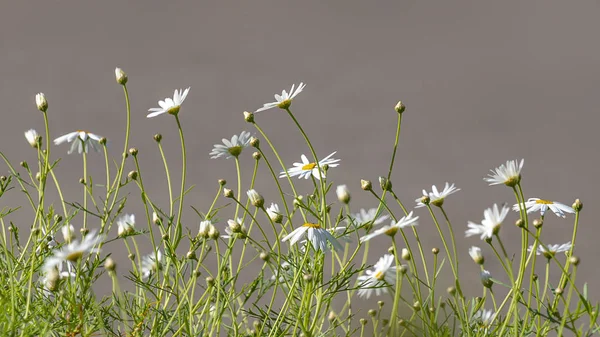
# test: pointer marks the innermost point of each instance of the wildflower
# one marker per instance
(552, 249)
(169, 105)
(364, 217)
(233, 227)
(256, 199)
(508, 174)
(382, 276)
(284, 100)
(343, 194)
(306, 168)
(205, 228)
(81, 140)
(125, 224)
(151, 263)
(274, 213)
(339, 233)
(536, 204)
(317, 236)
(68, 233)
(476, 255)
(486, 279)
(74, 250)
(41, 102)
(120, 76)
(490, 225)
(483, 318)
(436, 197)
(33, 138)
(231, 148)
(391, 229)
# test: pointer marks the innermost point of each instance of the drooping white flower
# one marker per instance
(233, 148)
(490, 225)
(32, 137)
(552, 249)
(274, 213)
(81, 140)
(393, 227)
(343, 194)
(535, 204)
(476, 255)
(151, 263)
(284, 100)
(170, 105)
(317, 236)
(483, 318)
(74, 250)
(367, 216)
(437, 197)
(126, 224)
(306, 168)
(508, 174)
(379, 279)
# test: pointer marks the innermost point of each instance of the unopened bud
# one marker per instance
(191, 255)
(264, 256)
(120, 76)
(366, 185)
(133, 151)
(537, 223)
(417, 306)
(41, 102)
(372, 312)
(254, 142)
(255, 199)
(110, 264)
(577, 205)
(157, 137)
(451, 291)
(405, 254)
(435, 250)
(227, 193)
(249, 116)
(385, 184)
(210, 281)
(343, 194)
(400, 107)
(132, 175)
(222, 182)
(256, 155)
(131, 256)
(574, 260)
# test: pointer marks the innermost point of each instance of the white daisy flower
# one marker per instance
(508, 174)
(234, 227)
(74, 250)
(32, 137)
(274, 213)
(490, 225)
(552, 249)
(126, 224)
(393, 227)
(231, 148)
(151, 263)
(284, 100)
(535, 204)
(81, 140)
(339, 233)
(52, 276)
(170, 105)
(367, 216)
(382, 276)
(483, 318)
(305, 169)
(317, 236)
(437, 197)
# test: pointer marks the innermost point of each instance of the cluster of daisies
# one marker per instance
(376, 280)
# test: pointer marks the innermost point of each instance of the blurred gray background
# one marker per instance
(483, 82)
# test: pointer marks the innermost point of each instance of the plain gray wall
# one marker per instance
(483, 82)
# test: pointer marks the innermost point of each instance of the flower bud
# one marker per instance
(234, 226)
(385, 184)
(110, 264)
(486, 279)
(227, 193)
(476, 255)
(249, 116)
(41, 102)
(365, 185)
(372, 312)
(157, 137)
(120, 76)
(155, 218)
(255, 199)
(68, 233)
(274, 214)
(400, 107)
(102, 141)
(577, 205)
(574, 260)
(405, 254)
(451, 291)
(210, 281)
(222, 182)
(213, 232)
(256, 155)
(363, 321)
(403, 269)
(191, 255)
(417, 306)
(265, 256)
(435, 250)
(132, 175)
(133, 151)
(537, 223)
(33, 138)
(254, 142)
(332, 316)
(343, 194)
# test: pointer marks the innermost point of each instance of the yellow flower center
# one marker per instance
(174, 110)
(74, 256)
(379, 275)
(235, 150)
(392, 231)
(309, 167)
(285, 104)
(544, 202)
(312, 225)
